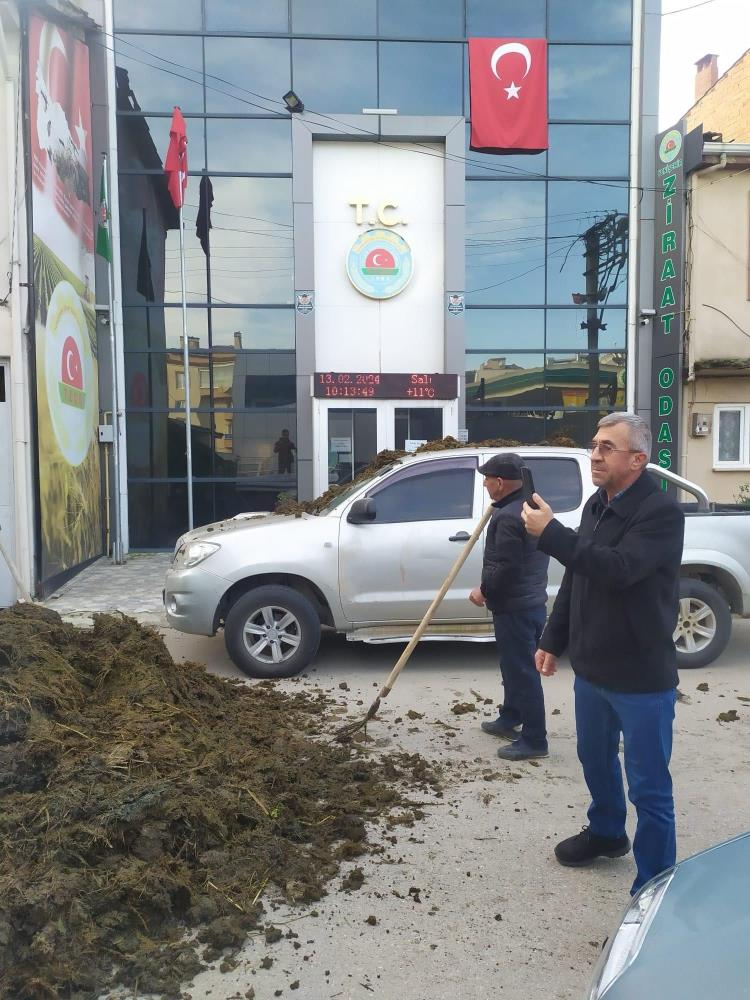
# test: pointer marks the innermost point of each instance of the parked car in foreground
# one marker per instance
(685, 935)
(369, 564)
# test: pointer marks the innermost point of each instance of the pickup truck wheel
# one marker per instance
(704, 624)
(272, 632)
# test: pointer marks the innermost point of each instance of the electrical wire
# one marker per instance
(344, 128)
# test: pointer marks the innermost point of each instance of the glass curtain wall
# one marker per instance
(546, 236)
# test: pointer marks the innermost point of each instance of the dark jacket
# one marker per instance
(617, 606)
(514, 573)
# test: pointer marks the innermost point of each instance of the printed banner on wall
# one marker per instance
(67, 378)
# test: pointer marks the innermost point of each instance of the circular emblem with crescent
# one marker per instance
(670, 145)
(379, 263)
(69, 374)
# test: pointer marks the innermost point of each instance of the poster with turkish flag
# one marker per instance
(67, 374)
(508, 92)
(60, 112)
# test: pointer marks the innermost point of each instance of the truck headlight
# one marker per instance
(623, 947)
(191, 553)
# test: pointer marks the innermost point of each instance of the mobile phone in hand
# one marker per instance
(528, 486)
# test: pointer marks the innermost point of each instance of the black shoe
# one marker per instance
(575, 852)
(498, 727)
(521, 750)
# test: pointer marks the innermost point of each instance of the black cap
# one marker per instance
(508, 465)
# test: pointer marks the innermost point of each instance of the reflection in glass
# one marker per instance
(504, 329)
(573, 428)
(158, 513)
(346, 85)
(153, 81)
(505, 167)
(504, 379)
(260, 15)
(337, 17)
(253, 329)
(589, 82)
(517, 426)
(589, 150)
(156, 444)
(195, 259)
(167, 15)
(251, 240)
(159, 329)
(246, 444)
(141, 141)
(505, 242)
(147, 217)
(252, 74)
(417, 19)
(415, 424)
(587, 231)
(249, 145)
(590, 20)
(421, 78)
(505, 19)
(586, 379)
(568, 328)
(352, 442)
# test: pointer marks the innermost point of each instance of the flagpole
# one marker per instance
(186, 364)
(117, 556)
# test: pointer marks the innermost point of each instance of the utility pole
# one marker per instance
(592, 238)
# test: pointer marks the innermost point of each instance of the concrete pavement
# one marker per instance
(494, 915)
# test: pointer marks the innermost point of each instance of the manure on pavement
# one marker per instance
(147, 807)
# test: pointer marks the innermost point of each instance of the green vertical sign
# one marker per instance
(669, 256)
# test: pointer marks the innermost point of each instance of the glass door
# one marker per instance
(412, 424)
(352, 442)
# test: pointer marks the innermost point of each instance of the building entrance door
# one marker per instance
(347, 438)
(352, 442)
(7, 504)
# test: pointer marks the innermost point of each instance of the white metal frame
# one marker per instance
(744, 459)
(385, 425)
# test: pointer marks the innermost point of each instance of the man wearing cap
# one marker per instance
(514, 589)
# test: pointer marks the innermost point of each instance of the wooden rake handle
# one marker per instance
(463, 556)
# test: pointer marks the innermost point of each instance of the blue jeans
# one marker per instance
(645, 721)
(517, 635)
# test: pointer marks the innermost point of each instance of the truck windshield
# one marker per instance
(352, 488)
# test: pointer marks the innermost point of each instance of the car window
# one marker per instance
(435, 491)
(558, 480)
(351, 488)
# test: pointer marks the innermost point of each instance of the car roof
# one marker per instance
(526, 451)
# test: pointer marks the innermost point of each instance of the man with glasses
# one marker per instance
(615, 614)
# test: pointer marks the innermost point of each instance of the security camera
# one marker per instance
(646, 316)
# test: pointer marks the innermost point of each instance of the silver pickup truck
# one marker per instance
(369, 564)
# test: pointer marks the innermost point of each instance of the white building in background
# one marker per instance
(17, 503)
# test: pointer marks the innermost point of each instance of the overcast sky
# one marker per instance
(720, 26)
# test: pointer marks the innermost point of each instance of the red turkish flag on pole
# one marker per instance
(508, 79)
(176, 162)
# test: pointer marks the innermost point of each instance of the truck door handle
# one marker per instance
(462, 536)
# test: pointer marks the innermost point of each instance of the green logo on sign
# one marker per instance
(670, 145)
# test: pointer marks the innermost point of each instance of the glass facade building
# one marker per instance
(546, 236)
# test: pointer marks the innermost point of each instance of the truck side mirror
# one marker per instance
(362, 511)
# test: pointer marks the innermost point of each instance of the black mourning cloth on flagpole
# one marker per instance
(144, 282)
(205, 201)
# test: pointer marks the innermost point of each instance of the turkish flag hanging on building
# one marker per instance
(176, 162)
(508, 79)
